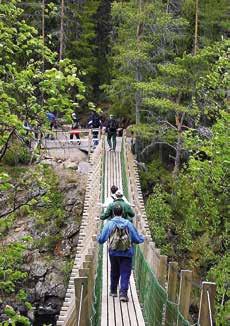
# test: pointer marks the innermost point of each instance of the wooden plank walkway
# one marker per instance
(114, 312)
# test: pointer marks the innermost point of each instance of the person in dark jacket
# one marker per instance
(111, 129)
(94, 122)
(121, 261)
(52, 120)
(128, 212)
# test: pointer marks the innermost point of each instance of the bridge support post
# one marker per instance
(206, 311)
(162, 270)
(172, 290)
(81, 297)
(184, 293)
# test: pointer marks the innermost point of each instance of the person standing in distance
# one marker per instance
(94, 122)
(111, 129)
(75, 125)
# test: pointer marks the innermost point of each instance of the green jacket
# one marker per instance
(128, 213)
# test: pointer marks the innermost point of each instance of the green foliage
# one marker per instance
(27, 89)
(15, 318)
(4, 181)
(155, 174)
(174, 89)
(136, 54)
(83, 49)
(160, 221)
(213, 19)
(220, 274)
(189, 216)
(6, 223)
(53, 210)
(17, 154)
(22, 295)
(48, 242)
(67, 268)
(11, 276)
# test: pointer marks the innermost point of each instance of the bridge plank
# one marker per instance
(136, 304)
(125, 313)
(118, 313)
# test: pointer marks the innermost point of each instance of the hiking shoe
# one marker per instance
(124, 298)
(113, 294)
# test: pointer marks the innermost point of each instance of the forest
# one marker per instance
(161, 67)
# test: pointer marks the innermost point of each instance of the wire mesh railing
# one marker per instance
(154, 297)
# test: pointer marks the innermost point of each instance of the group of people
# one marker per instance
(121, 235)
(95, 122)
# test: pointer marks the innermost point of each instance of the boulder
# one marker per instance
(38, 269)
(71, 230)
(83, 167)
(53, 285)
(71, 165)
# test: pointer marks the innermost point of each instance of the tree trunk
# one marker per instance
(62, 30)
(196, 27)
(5, 146)
(179, 123)
(138, 97)
(178, 154)
(138, 79)
(43, 34)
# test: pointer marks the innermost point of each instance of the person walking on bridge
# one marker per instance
(128, 212)
(95, 123)
(111, 129)
(112, 197)
(121, 234)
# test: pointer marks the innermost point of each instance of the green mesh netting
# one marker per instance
(96, 307)
(156, 307)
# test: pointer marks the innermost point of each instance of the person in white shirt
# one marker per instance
(113, 196)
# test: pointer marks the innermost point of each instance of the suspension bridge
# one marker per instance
(159, 293)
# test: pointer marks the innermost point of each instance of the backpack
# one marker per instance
(119, 239)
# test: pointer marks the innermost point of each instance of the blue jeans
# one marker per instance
(121, 268)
